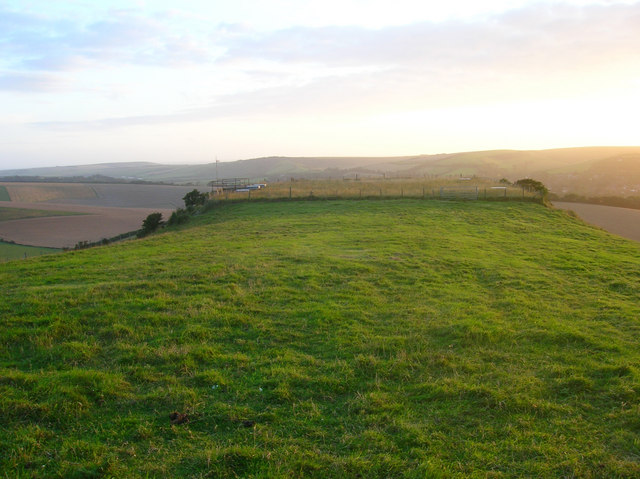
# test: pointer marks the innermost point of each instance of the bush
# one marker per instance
(151, 223)
(178, 217)
(532, 185)
(194, 198)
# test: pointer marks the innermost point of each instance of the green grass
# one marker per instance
(11, 251)
(397, 338)
(7, 214)
(4, 194)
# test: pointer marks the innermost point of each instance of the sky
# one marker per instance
(85, 82)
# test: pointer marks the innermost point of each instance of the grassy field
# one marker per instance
(11, 251)
(7, 214)
(4, 194)
(397, 338)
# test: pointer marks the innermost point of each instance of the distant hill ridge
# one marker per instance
(610, 170)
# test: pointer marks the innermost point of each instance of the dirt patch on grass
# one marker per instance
(621, 221)
(66, 231)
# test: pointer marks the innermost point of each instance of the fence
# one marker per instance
(459, 192)
(338, 189)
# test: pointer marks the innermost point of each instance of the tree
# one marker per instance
(194, 198)
(532, 185)
(151, 223)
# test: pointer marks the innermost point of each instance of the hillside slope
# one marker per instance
(328, 339)
(592, 171)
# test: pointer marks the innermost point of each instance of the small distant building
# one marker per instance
(228, 184)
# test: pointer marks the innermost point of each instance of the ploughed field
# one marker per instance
(395, 338)
(80, 212)
(60, 229)
(622, 221)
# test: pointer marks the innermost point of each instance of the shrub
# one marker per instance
(178, 217)
(194, 198)
(151, 223)
(533, 185)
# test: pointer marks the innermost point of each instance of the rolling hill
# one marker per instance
(588, 171)
(372, 338)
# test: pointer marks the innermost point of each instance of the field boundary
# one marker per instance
(250, 199)
(334, 189)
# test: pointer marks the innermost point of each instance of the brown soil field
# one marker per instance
(66, 231)
(36, 192)
(113, 195)
(624, 222)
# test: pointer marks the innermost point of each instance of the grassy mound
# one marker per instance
(328, 339)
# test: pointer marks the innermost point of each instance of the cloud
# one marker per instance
(539, 51)
(123, 37)
(540, 35)
(30, 82)
(547, 35)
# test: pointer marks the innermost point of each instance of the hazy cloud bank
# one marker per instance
(544, 50)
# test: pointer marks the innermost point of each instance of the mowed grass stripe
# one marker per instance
(329, 339)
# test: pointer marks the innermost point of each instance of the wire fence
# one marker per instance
(343, 189)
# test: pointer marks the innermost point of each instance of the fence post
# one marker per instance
(523, 191)
(505, 192)
(401, 192)
(423, 192)
(249, 195)
(380, 192)
(360, 192)
(485, 193)
(289, 192)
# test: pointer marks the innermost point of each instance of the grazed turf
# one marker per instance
(11, 251)
(328, 339)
